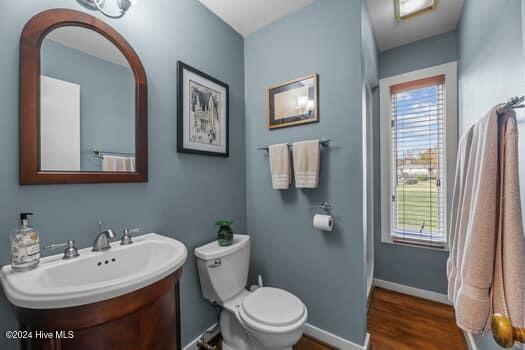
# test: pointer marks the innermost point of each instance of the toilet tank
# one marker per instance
(223, 271)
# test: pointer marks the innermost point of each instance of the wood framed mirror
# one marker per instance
(83, 103)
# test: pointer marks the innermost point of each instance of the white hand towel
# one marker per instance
(306, 160)
(280, 166)
(118, 164)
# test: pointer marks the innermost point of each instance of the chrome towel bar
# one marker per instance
(322, 142)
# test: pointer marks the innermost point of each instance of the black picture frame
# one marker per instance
(181, 119)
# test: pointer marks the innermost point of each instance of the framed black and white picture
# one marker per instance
(203, 113)
(293, 103)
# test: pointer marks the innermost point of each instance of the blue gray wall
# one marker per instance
(326, 270)
(490, 70)
(370, 55)
(185, 193)
(411, 266)
(107, 99)
(421, 54)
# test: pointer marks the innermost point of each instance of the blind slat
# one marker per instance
(418, 199)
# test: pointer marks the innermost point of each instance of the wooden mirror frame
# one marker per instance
(31, 39)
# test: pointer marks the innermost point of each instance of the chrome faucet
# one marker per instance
(103, 240)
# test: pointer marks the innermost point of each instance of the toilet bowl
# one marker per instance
(267, 318)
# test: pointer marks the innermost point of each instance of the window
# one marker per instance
(420, 141)
(418, 201)
(409, 8)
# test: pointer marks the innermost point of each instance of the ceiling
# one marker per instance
(248, 16)
(88, 41)
(390, 33)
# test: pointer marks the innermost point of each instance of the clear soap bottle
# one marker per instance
(25, 246)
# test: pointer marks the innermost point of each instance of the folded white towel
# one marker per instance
(306, 158)
(118, 164)
(280, 166)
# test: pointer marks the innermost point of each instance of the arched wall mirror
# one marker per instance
(83, 102)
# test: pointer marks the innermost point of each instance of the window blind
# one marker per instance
(418, 210)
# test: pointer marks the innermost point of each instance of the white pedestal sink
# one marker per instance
(94, 276)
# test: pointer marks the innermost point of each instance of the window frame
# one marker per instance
(415, 13)
(450, 144)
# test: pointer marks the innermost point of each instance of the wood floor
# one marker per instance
(401, 322)
(306, 343)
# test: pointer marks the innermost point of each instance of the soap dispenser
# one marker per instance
(25, 246)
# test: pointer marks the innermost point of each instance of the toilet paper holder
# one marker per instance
(324, 205)
(324, 222)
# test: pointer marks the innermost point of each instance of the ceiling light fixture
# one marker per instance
(409, 8)
(123, 6)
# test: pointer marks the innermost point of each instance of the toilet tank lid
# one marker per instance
(213, 250)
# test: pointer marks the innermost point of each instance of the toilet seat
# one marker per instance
(272, 310)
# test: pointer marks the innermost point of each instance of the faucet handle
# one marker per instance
(126, 236)
(54, 246)
(70, 252)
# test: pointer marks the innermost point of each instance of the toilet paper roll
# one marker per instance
(324, 222)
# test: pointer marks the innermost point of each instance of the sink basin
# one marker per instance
(94, 276)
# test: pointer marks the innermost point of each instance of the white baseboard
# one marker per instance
(193, 344)
(416, 292)
(367, 345)
(335, 340)
(470, 341)
(317, 333)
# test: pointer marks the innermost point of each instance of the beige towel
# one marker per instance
(508, 292)
(460, 200)
(306, 160)
(484, 192)
(118, 164)
(280, 166)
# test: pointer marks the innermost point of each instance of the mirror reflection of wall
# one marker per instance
(87, 104)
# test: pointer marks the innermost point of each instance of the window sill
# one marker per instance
(443, 246)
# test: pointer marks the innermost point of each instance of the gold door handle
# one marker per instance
(503, 332)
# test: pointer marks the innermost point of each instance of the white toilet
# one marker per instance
(267, 318)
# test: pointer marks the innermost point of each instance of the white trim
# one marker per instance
(368, 344)
(416, 292)
(193, 344)
(368, 186)
(335, 340)
(450, 142)
(471, 343)
(317, 333)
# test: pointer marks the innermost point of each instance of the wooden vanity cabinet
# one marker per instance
(146, 319)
